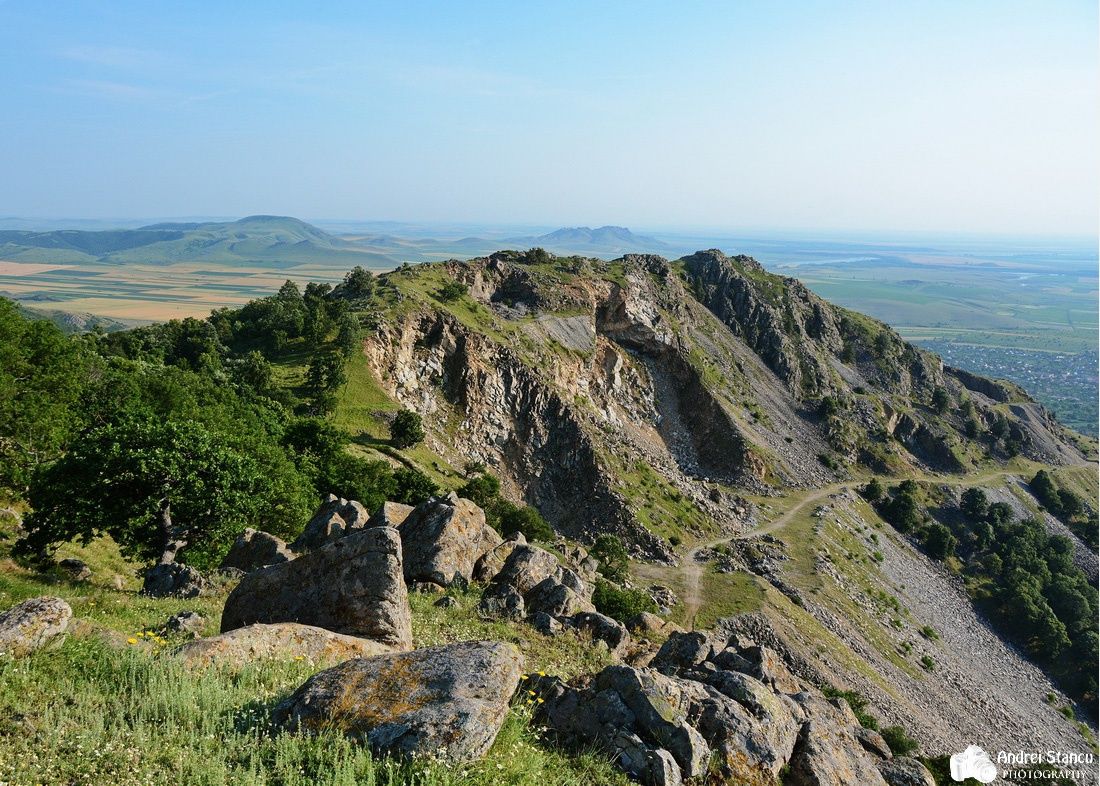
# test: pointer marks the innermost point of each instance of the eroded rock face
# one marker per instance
(449, 701)
(333, 520)
(490, 563)
(280, 641)
(443, 539)
(732, 705)
(256, 549)
(353, 585)
(32, 624)
(173, 580)
(526, 566)
(390, 514)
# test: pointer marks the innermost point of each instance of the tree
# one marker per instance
(975, 504)
(413, 486)
(938, 541)
(451, 291)
(514, 518)
(482, 489)
(941, 400)
(873, 491)
(156, 487)
(406, 430)
(612, 556)
(358, 283)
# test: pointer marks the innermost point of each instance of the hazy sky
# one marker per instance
(962, 116)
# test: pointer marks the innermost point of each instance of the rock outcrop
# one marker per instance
(173, 580)
(442, 540)
(711, 703)
(353, 585)
(279, 641)
(256, 549)
(447, 701)
(334, 519)
(32, 624)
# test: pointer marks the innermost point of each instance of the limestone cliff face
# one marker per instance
(637, 397)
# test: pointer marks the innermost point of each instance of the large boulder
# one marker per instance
(447, 701)
(501, 601)
(280, 641)
(490, 563)
(903, 771)
(552, 597)
(333, 520)
(32, 624)
(600, 627)
(256, 549)
(353, 585)
(442, 540)
(390, 514)
(173, 580)
(830, 755)
(526, 566)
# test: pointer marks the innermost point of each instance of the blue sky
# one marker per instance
(878, 116)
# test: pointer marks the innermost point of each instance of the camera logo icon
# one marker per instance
(973, 763)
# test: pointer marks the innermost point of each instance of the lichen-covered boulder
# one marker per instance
(903, 771)
(256, 549)
(443, 539)
(173, 580)
(390, 514)
(32, 624)
(489, 564)
(600, 627)
(526, 566)
(353, 585)
(554, 598)
(501, 601)
(447, 701)
(334, 519)
(280, 641)
(829, 755)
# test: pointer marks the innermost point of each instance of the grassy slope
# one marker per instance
(97, 709)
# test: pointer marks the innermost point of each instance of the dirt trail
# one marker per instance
(693, 569)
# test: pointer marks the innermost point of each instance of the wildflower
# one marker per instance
(530, 693)
(541, 700)
(523, 676)
(542, 673)
(131, 640)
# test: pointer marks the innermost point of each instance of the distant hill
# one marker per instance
(276, 240)
(601, 241)
(75, 322)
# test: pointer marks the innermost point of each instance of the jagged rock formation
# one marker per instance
(256, 549)
(443, 539)
(335, 518)
(733, 704)
(634, 397)
(448, 701)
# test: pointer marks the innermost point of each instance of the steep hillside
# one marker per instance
(644, 397)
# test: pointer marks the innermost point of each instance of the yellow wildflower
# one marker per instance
(131, 640)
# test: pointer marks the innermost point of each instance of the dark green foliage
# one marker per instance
(505, 517)
(42, 375)
(938, 541)
(873, 491)
(941, 400)
(451, 291)
(1065, 505)
(412, 486)
(904, 509)
(406, 430)
(537, 256)
(620, 604)
(155, 487)
(358, 283)
(612, 556)
(975, 505)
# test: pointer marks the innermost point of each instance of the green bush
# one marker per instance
(406, 430)
(620, 604)
(901, 744)
(612, 556)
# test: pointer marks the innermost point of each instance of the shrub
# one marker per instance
(620, 604)
(901, 744)
(612, 557)
(407, 429)
(927, 663)
(413, 486)
(873, 491)
(938, 541)
(451, 291)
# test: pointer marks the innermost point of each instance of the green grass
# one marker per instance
(96, 709)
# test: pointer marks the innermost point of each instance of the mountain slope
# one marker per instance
(605, 240)
(269, 239)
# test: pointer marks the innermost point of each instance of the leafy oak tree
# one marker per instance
(156, 487)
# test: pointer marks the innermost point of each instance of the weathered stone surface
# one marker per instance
(353, 585)
(683, 650)
(556, 599)
(256, 549)
(32, 624)
(903, 771)
(645, 624)
(873, 742)
(660, 707)
(545, 624)
(334, 519)
(830, 755)
(173, 580)
(190, 622)
(446, 602)
(390, 514)
(280, 641)
(75, 569)
(526, 566)
(602, 628)
(443, 539)
(769, 668)
(448, 701)
(501, 601)
(490, 563)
